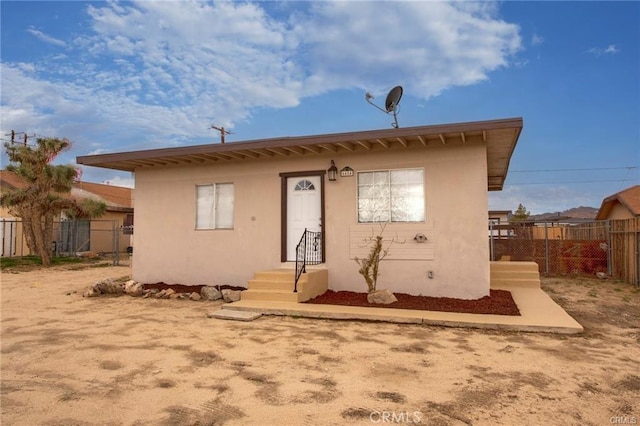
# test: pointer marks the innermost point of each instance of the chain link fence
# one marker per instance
(569, 247)
(611, 247)
(88, 238)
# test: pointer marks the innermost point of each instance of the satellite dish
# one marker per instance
(393, 98)
(390, 104)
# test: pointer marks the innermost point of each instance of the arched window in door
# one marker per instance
(304, 185)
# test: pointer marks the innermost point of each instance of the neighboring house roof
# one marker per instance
(629, 198)
(113, 196)
(117, 198)
(10, 180)
(500, 137)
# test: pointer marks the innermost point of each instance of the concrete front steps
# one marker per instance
(276, 285)
(521, 274)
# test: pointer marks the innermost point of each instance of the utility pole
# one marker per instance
(222, 132)
(13, 135)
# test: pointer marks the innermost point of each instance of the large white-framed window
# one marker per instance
(214, 206)
(391, 196)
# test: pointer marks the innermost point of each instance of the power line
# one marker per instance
(625, 178)
(24, 139)
(574, 170)
(568, 182)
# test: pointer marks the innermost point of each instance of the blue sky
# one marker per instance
(122, 76)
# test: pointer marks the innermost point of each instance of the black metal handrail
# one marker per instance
(308, 252)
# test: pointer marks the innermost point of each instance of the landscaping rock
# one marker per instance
(382, 297)
(601, 275)
(108, 286)
(210, 293)
(136, 289)
(91, 292)
(231, 295)
(133, 288)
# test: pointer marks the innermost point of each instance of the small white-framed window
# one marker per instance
(214, 206)
(391, 196)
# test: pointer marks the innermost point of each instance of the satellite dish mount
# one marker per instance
(390, 104)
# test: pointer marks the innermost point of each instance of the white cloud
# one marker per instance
(159, 73)
(428, 46)
(46, 38)
(104, 176)
(541, 199)
(127, 182)
(536, 40)
(611, 49)
(98, 151)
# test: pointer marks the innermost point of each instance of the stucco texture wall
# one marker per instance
(168, 248)
(619, 211)
(456, 215)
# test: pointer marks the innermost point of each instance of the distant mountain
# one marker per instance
(575, 213)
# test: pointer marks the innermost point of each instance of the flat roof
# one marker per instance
(500, 136)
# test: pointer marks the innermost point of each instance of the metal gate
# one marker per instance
(74, 236)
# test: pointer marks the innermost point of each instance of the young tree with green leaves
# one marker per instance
(521, 214)
(46, 193)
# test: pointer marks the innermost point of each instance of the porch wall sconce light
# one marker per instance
(332, 172)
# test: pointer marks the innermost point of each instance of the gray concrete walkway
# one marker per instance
(538, 313)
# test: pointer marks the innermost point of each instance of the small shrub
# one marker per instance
(370, 265)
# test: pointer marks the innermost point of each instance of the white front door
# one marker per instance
(304, 210)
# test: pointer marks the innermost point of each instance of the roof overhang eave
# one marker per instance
(499, 151)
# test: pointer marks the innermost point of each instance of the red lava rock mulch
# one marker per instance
(182, 288)
(499, 302)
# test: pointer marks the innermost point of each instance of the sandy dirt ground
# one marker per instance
(69, 360)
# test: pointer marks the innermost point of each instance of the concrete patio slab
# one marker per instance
(538, 313)
(229, 314)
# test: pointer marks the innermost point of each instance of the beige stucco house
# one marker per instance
(96, 235)
(217, 214)
(621, 205)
